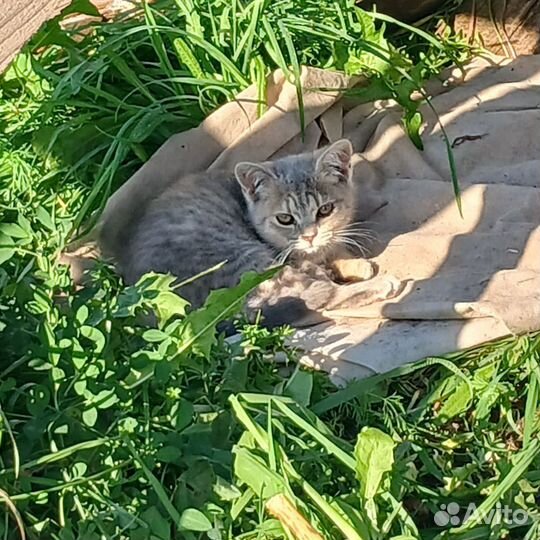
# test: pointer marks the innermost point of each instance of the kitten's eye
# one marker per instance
(285, 219)
(325, 210)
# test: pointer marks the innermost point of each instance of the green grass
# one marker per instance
(110, 429)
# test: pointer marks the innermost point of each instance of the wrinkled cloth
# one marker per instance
(470, 278)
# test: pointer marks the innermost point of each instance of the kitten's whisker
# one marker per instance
(365, 239)
(362, 223)
(359, 224)
(351, 232)
(353, 243)
(347, 238)
(350, 241)
(326, 236)
(357, 238)
(365, 232)
(283, 255)
(357, 233)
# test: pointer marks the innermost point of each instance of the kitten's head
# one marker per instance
(303, 203)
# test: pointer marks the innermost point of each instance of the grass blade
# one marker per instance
(530, 421)
(155, 483)
(522, 460)
(296, 73)
(331, 447)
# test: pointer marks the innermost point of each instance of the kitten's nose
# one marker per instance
(308, 237)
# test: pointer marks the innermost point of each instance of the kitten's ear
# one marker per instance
(334, 164)
(251, 176)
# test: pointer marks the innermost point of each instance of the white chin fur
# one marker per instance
(310, 250)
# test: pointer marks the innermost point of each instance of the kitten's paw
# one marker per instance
(361, 294)
(391, 287)
(351, 270)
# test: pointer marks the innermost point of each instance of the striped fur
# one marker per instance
(208, 218)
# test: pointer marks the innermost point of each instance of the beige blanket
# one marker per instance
(470, 279)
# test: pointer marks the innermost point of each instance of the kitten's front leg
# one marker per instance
(347, 268)
(299, 296)
(351, 270)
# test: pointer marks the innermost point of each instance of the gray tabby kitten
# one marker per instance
(298, 209)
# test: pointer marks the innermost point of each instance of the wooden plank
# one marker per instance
(20, 20)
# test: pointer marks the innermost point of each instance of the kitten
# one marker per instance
(298, 210)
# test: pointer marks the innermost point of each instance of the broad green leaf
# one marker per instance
(181, 414)
(6, 240)
(37, 399)
(167, 304)
(194, 520)
(413, 123)
(58, 374)
(45, 218)
(79, 360)
(199, 326)
(300, 386)
(457, 403)
(82, 314)
(138, 376)
(95, 335)
(154, 336)
(225, 490)
(159, 526)
(6, 254)
(13, 230)
(153, 291)
(89, 416)
(374, 454)
(81, 6)
(105, 399)
(488, 398)
(374, 53)
(168, 454)
(252, 471)
(25, 224)
(80, 387)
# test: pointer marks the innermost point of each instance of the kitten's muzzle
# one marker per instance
(308, 237)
